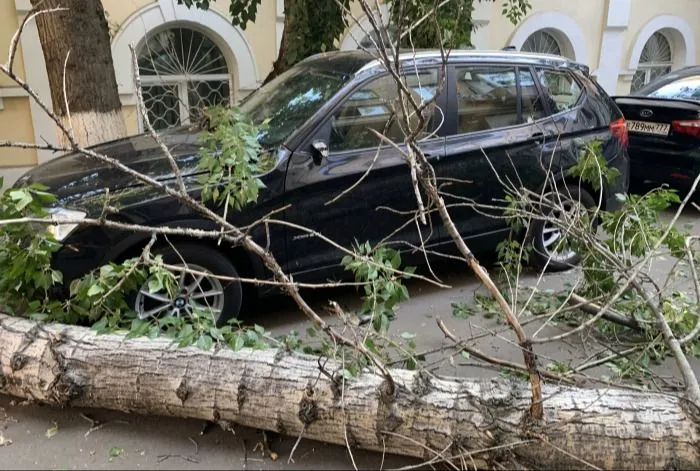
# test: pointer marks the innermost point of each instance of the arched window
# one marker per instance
(182, 71)
(372, 38)
(542, 42)
(656, 60)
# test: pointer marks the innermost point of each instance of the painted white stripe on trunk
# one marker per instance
(91, 127)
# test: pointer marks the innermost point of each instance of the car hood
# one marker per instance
(74, 177)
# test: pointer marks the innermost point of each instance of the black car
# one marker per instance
(663, 119)
(509, 112)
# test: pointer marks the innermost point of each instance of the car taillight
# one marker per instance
(690, 127)
(618, 128)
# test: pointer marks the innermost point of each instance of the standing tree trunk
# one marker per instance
(81, 33)
(280, 64)
(485, 421)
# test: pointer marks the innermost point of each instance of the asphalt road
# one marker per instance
(48, 438)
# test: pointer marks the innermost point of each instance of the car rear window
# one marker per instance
(687, 88)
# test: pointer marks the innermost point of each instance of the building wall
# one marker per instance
(678, 19)
(577, 28)
(607, 35)
(15, 117)
(16, 125)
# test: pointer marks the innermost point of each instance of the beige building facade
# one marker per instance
(189, 58)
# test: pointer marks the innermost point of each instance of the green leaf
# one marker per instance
(154, 331)
(52, 431)
(462, 310)
(345, 373)
(238, 343)
(410, 364)
(465, 354)
(115, 451)
(100, 325)
(39, 316)
(204, 342)
(155, 284)
(95, 290)
(22, 198)
(396, 260)
(218, 334)
(408, 335)
(385, 322)
(56, 276)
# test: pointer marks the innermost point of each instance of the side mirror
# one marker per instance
(319, 151)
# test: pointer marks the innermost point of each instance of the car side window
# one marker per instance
(532, 104)
(487, 98)
(561, 89)
(376, 107)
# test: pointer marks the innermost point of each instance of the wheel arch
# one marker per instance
(584, 185)
(245, 263)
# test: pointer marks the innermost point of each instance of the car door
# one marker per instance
(497, 136)
(578, 118)
(362, 190)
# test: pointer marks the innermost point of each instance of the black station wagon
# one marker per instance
(499, 112)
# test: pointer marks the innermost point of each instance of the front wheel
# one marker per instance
(200, 290)
(550, 250)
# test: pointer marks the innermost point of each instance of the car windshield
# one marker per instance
(687, 88)
(289, 100)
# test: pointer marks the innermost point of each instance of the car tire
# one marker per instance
(541, 232)
(204, 259)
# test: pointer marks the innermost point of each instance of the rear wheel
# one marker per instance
(200, 290)
(550, 250)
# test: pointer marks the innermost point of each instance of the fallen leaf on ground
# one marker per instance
(52, 431)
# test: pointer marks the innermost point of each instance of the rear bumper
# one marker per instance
(656, 175)
(656, 162)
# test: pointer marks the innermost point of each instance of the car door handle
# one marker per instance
(537, 137)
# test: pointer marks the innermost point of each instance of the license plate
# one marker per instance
(645, 127)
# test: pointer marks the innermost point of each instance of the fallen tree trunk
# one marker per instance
(288, 393)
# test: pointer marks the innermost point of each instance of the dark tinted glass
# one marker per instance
(486, 98)
(687, 88)
(374, 108)
(290, 100)
(532, 106)
(560, 88)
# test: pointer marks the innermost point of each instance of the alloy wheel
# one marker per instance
(200, 291)
(552, 233)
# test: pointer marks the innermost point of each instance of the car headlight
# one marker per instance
(62, 230)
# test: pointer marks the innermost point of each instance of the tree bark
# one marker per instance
(77, 40)
(280, 65)
(288, 393)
